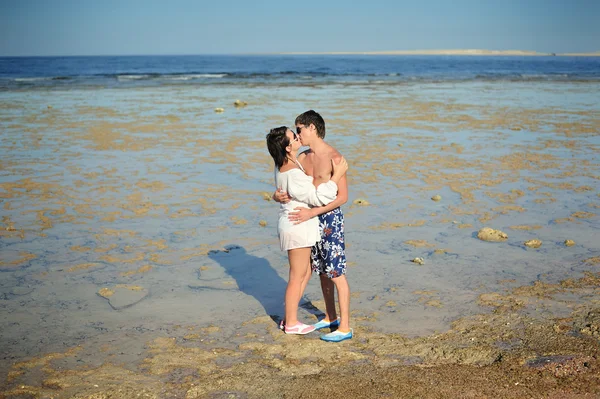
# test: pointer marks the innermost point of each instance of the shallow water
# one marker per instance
(140, 190)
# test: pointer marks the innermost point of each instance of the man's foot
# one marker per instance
(337, 336)
(327, 324)
(299, 329)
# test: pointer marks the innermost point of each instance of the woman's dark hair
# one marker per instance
(277, 141)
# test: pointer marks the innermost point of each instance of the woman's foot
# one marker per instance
(299, 329)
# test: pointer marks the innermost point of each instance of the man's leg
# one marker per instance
(318, 258)
(343, 289)
(334, 267)
(328, 289)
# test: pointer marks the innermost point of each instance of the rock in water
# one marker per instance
(535, 243)
(419, 261)
(488, 234)
(436, 198)
(569, 243)
(266, 196)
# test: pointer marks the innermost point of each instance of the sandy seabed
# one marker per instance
(139, 255)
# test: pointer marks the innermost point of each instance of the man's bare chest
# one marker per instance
(318, 167)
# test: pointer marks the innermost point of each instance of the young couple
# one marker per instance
(311, 187)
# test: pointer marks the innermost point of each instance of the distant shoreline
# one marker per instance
(472, 52)
(448, 52)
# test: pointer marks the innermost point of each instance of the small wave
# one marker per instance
(544, 76)
(211, 75)
(184, 77)
(525, 77)
(195, 76)
(132, 77)
(296, 73)
(31, 79)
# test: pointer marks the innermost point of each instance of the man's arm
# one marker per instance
(340, 199)
(303, 214)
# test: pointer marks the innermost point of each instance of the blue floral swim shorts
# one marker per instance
(329, 255)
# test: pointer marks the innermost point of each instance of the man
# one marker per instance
(328, 255)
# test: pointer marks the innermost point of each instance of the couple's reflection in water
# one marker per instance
(256, 277)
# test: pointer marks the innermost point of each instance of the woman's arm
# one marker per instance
(303, 214)
(301, 188)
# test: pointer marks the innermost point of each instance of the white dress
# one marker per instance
(304, 194)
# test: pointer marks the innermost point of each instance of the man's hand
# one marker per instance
(281, 196)
(301, 215)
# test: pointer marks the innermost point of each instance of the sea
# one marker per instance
(144, 71)
(134, 192)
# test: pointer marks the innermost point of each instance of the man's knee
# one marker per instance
(340, 281)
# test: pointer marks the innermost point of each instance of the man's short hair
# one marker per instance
(313, 117)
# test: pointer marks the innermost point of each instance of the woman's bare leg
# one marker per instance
(307, 276)
(299, 262)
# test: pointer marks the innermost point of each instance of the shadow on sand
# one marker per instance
(255, 277)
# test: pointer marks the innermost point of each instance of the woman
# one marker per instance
(297, 239)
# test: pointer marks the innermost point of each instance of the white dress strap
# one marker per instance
(299, 165)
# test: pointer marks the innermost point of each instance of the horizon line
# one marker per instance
(457, 52)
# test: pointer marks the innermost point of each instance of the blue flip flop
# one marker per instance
(326, 324)
(337, 336)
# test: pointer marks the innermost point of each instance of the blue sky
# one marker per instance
(111, 27)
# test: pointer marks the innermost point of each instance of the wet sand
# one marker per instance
(520, 349)
(139, 251)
